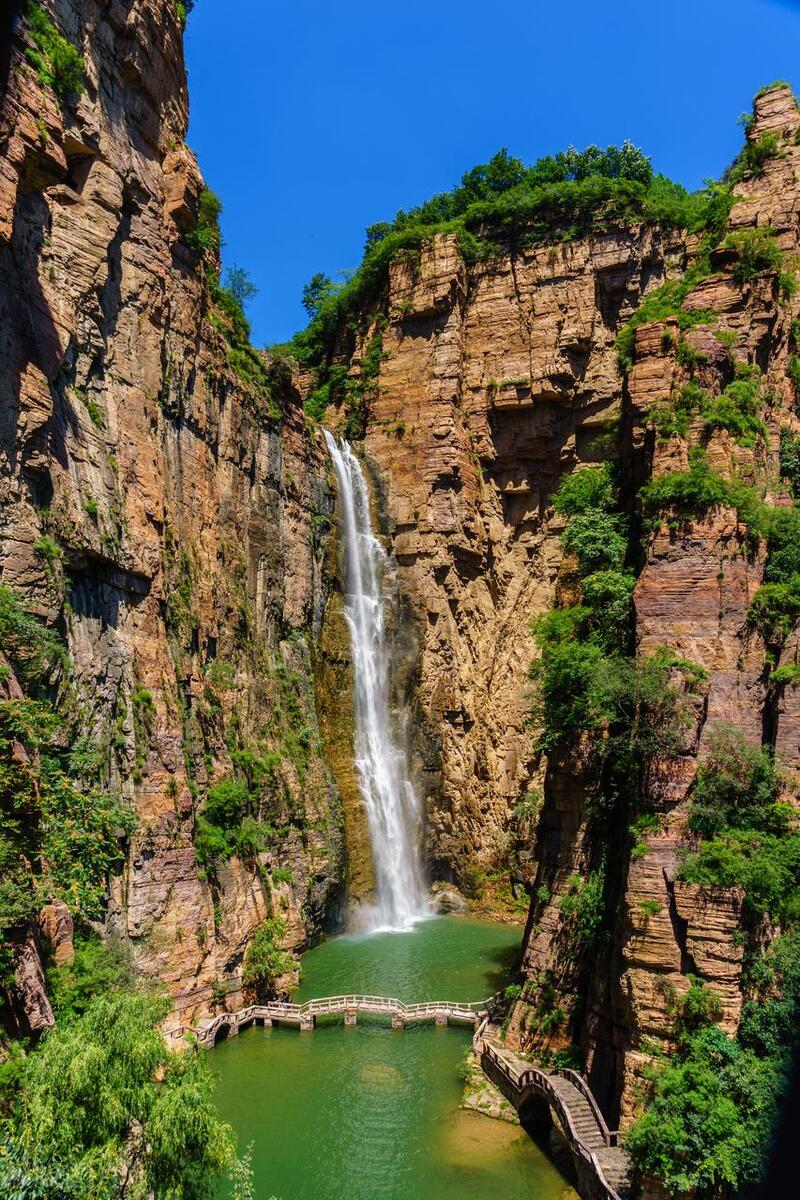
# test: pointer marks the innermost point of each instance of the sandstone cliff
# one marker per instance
(497, 377)
(161, 506)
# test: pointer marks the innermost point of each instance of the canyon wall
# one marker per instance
(163, 508)
(166, 506)
(498, 378)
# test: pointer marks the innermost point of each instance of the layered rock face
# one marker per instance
(156, 505)
(496, 380)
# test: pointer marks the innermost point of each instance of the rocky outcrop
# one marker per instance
(159, 504)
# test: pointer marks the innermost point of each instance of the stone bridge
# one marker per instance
(304, 1016)
(601, 1165)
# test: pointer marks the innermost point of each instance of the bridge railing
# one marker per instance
(328, 1005)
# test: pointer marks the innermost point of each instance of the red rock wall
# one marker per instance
(497, 379)
(117, 393)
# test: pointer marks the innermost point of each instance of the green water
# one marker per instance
(370, 1113)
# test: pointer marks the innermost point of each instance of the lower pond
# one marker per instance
(371, 1113)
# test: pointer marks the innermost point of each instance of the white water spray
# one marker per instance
(390, 800)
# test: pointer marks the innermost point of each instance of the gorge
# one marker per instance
(490, 579)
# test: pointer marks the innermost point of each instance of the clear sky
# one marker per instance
(312, 119)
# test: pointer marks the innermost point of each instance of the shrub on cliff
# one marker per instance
(206, 234)
(757, 250)
(265, 960)
(58, 64)
(60, 829)
(691, 493)
(585, 488)
(737, 787)
(706, 1126)
(503, 205)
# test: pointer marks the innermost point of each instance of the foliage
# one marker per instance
(316, 291)
(265, 961)
(775, 608)
(794, 376)
(59, 836)
(32, 649)
(598, 541)
(58, 64)
(789, 673)
(693, 492)
(737, 787)
(583, 688)
(608, 597)
(667, 300)
(240, 286)
(99, 967)
(754, 155)
(769, 1023)
(704, 1129)
(582, 906)
(584, 489)
(502, 205)
(757, 251)
(103, 1095)
(790, 460)
(765, 865)
(205, 237)
(736, 410)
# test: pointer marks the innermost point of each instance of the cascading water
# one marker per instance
(390, 799)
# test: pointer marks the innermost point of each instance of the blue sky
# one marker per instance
(314, 119)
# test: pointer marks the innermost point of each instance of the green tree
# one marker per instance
(266, 960)
(240, 285)
(318, 289)
(108, 1110)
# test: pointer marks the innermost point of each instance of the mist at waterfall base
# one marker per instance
(391, 803)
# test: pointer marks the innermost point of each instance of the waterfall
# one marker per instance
(390, 799)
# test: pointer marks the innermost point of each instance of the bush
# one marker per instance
(706, 1127)
(33, 650)
(765, 865)
(98, 968)
(783, 544)
(608, 597)
(582, 907)
(205, 237)
(226, 802)
(103, 1092)
(692, 493)
(754, 156)
(737, 411)
(597, 541)
(775, 608)
(737, 787)
(265, 961)
(769, 1023)
(583, 489)
(757, 251)
(790, 460)
(58, 64)
(794, 376)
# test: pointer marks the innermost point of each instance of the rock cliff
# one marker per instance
(166, 507)
(496, 379)
(162, 506)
